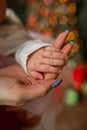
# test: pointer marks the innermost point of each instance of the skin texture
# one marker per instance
(16, 88)
(51, 59)
(45, 60)
(64, 49)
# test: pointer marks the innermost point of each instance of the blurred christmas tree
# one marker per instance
(50, 17)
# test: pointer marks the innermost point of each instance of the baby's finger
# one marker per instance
(36, 75)
(51, 48)
(53, 62)
(60, 40)
(47, 68)
(54, 55)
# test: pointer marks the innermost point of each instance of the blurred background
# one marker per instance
(45, 19)
(26, 8)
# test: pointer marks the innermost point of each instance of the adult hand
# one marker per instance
(16, 88)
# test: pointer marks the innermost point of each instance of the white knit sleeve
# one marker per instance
(26, 49)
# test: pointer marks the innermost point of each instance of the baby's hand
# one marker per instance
(45, 60)
(64, 48)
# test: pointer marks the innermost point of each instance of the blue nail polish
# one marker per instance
(71, 42)
(67, 31)
(57, 83)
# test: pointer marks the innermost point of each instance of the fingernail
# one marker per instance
(57, 83)
(67, 31)
(71, 42)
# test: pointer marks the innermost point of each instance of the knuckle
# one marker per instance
(51, 53)
(62, 55)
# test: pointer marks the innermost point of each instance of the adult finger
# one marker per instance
(67, 48)
(60, 40)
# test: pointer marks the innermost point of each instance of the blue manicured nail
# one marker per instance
(67, 31)
(57, 83)
(71, 42)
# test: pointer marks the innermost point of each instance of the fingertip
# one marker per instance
(37, 75)
(67, 32)
(41, 77)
